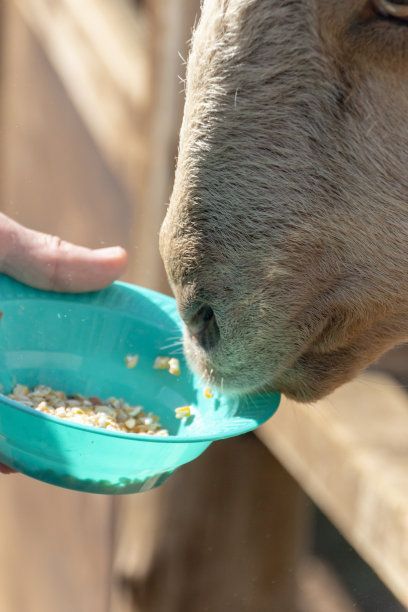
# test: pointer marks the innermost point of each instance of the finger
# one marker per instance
(47, 262)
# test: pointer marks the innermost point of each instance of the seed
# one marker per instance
(101, 420)
(130, 423)
(161, 363)
(174, 366)
(131, 360)
(183, 411)
(147, 420)
(113, 414)
(134, 411)
(20, 390)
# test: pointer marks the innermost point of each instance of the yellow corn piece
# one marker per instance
(182, 411)
(161, 363)
(131, 360)
(174, 366)
(207, 392)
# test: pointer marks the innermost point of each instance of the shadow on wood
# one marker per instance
(227, 533)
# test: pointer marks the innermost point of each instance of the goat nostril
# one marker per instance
(206, 313)
(203, 327)
(200, 320)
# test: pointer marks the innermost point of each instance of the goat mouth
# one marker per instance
(305, 373)
(243, 377)
(307, 378)
(205, 364)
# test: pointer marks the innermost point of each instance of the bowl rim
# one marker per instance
(171, 438)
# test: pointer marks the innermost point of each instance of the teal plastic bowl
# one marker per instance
(77, 343)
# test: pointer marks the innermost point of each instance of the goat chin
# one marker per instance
(288, 221)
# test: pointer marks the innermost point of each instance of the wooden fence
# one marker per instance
(91, 106)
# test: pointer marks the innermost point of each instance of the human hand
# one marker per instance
(47, 262)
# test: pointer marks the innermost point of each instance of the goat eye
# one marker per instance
(397, 9)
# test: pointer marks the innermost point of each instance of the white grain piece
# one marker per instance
(114, 414)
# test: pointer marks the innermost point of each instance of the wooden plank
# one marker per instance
(55, 548)
(121, 68)
(319, 589)
(216, 536)
(171, 25)
(99, 50)
(349, 452)
(55, 543)
(53, 176)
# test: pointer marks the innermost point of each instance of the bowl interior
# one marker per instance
(78, 343)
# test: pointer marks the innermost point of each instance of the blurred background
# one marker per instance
(90, 109)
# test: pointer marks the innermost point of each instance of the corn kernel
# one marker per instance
(20, 390)
(113, 414)
(174, 366)
(130, 423)
(101, 420)
(207, 392)
(182, 411)
(77, 411)
(161, 363)
(133, 410)
(131, 360)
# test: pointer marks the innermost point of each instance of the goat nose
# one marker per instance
(203, 327)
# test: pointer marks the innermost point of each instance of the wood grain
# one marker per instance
(350, 454)
(99, 51)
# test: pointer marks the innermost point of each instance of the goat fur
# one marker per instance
(289, 210)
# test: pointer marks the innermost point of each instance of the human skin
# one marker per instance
(47, 262)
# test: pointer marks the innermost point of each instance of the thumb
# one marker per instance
(47, 262)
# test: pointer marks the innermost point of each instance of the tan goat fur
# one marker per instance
(289, 211)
